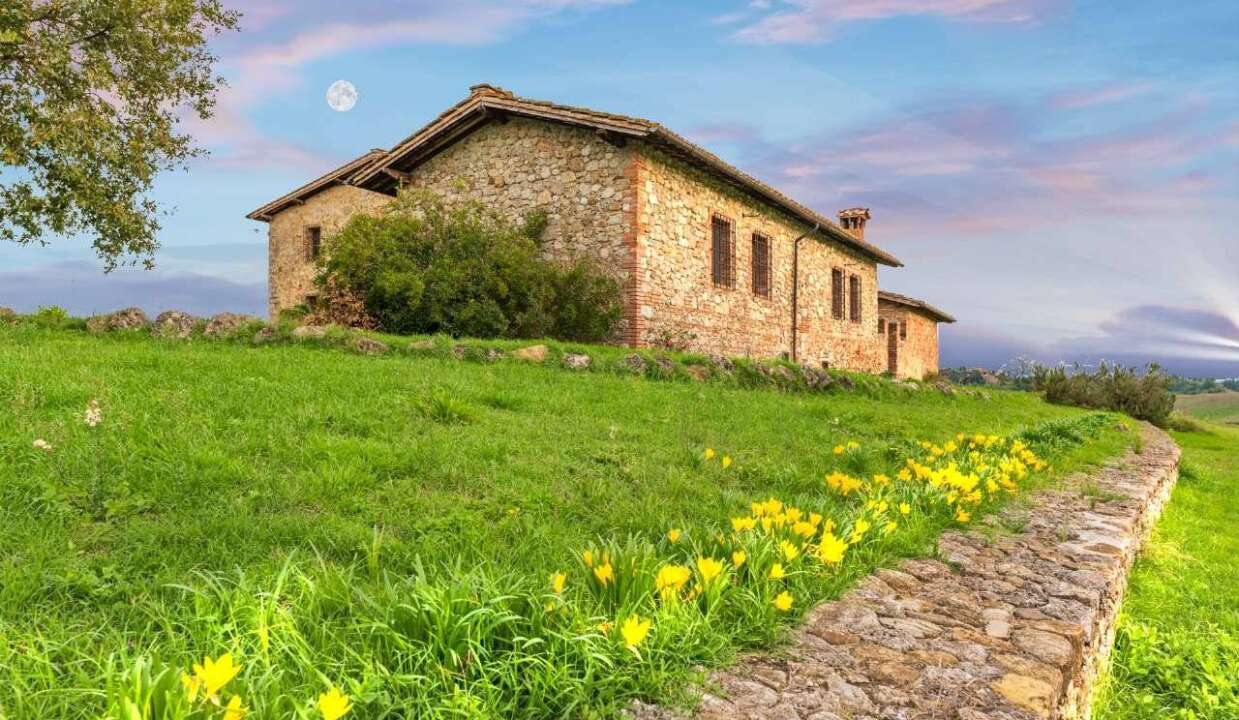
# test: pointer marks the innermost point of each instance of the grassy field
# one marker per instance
(390, 526)
(1220, 407)
(1177, 651)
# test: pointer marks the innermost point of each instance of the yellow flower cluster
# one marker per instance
(775, 543)
(213, 675)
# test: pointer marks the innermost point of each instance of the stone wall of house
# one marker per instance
(678, 298)
(918, 351)
(290, 270)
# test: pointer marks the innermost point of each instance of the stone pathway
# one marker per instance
(1007, 628)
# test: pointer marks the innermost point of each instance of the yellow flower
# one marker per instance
(962, 515)
(815, 519)
(881, 480)
(671, 578)
(838, 449)
(333, 704)
(674, 534)
(890, 527)
(709, 453)
(859, 528)
(853, 445)
(605, 574)
(726, 461)
(709, 568)
(905, 474)
(234, 709)
(215, 674)
(604, 627)
(793, 514)
(191, 685)
(783, 602)
(557, 582)
(905, 509)
(789, 550)
(588, 557)
(805, 529)
(740, 524)
(831, 549)
(776, 572)
(738, 557)
(634, 631)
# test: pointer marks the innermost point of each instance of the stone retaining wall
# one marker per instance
(1002, 628)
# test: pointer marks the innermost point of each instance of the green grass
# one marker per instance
(1221, 407)
(1177, 649)
(389, 523)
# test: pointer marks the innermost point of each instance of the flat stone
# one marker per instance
(1028, 693)
(1053, 649)
(575, 361)
(533, 353)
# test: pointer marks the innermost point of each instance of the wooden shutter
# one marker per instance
(313, 242)
(836, 293)
(722, 253)
(854, 297)
(881, 326)
(903, 330)
(761, 266)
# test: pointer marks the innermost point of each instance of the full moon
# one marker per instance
(341, 96)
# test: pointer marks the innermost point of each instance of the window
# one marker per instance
(761, 266)
(313, 242)
(881, 326)
(836, 293)
(903, 330)
(854, 298)
(722, 253)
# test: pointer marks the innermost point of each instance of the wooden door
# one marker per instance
(892, 347)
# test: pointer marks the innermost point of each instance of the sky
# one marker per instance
(1063, 177)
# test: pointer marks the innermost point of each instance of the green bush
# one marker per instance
(423, 266)
(1144, 396)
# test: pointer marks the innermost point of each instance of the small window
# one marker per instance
(854, 297)
(761, 266)
(903, 331)
(836, 293)
(881, 326)
(313, 242)
(722, 253)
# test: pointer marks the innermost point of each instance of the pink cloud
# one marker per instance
(1101, 95)
(810, 21)
(279, 39)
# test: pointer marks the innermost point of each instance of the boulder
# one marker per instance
(533, 353)
(7, 315)
(700, 373)
(421, 345)
(817, 379)
(310, 332)
(174, 324)
(264, 335)
(128, 319)
(576, 361)
(369, 346)
(635, 363)
(722, 363)
(226, 324)
(944, 387)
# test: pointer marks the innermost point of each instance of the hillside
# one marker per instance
(284, 502)
(1220, 407)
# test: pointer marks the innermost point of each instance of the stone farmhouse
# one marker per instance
(706, 255)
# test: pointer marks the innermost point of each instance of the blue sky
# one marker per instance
(1062, 176)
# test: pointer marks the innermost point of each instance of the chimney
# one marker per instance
(484, 89)
(853, 220)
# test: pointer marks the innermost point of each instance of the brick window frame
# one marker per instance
(313, 242)
(836, 293)
(854, 310)
(761, 263)
(722, 251)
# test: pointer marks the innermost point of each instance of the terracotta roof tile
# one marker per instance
(915, 304)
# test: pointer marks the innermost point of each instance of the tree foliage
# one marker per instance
(1144, 396)
(423, 266)
(90, 96)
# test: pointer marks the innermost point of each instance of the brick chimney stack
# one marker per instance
(853, 220)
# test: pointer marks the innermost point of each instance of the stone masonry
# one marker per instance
(640, 210)
(916, 340)
(1003, 628)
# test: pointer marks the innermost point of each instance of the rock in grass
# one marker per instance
(533, 353)
(701, 373)
(722, 364)
(128, 319)
(174, 324)
(310, 332)
(817, 379)
(576, 361)
(421, 345)
(227, 324)
(369, 346)
(944, 387)
(635, 363)
(7, 315)
(264, 335)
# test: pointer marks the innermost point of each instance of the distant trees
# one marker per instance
(423, 266)
(89, 99)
